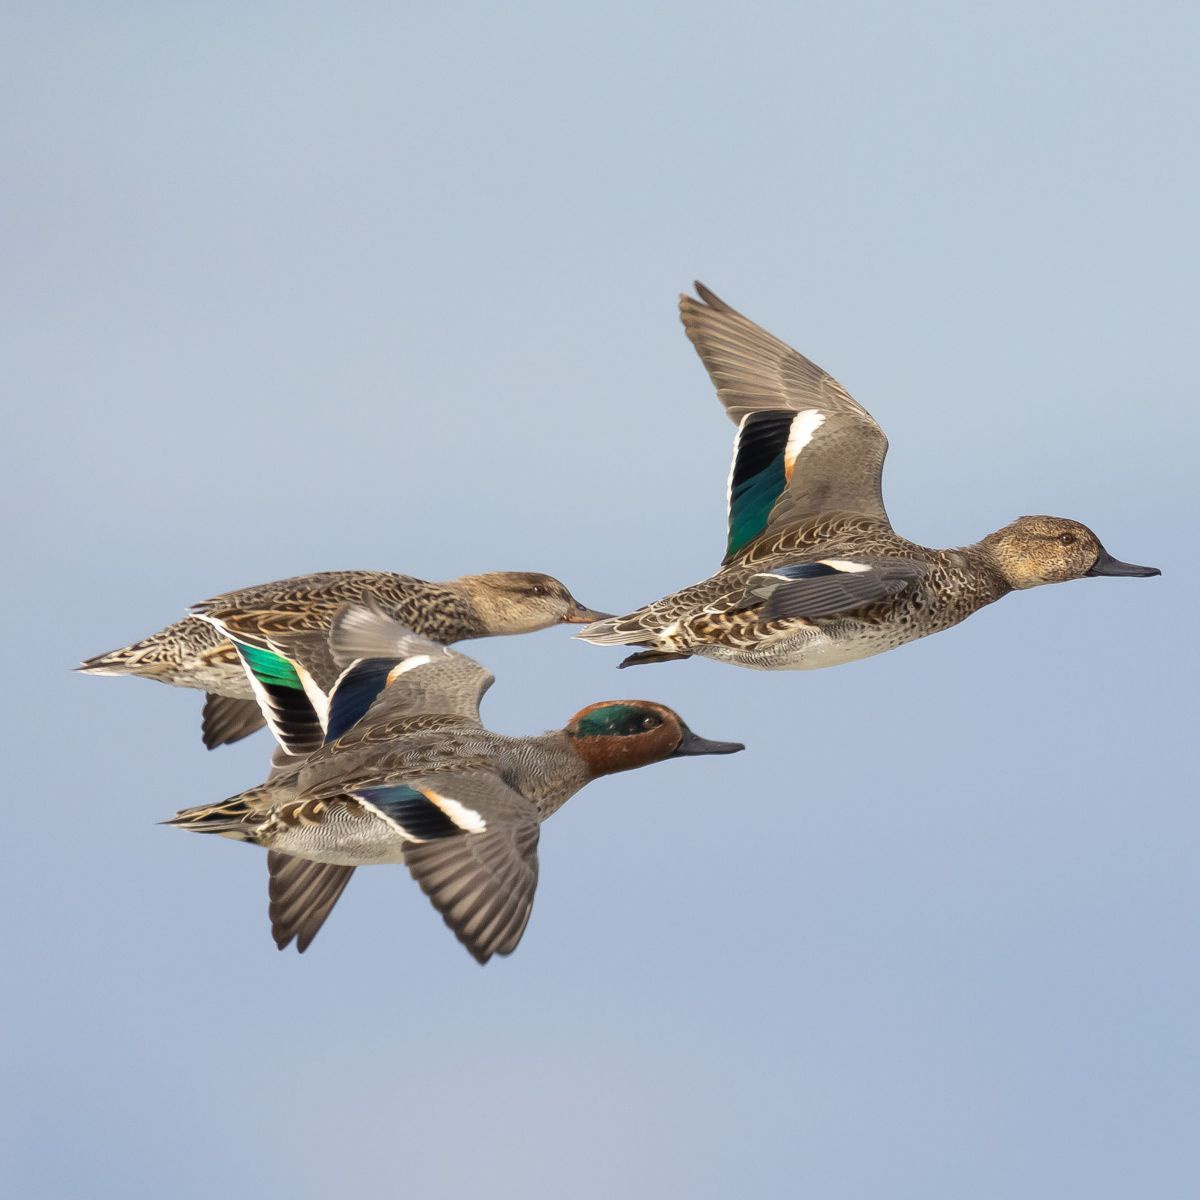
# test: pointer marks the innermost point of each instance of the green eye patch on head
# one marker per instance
(616, 720)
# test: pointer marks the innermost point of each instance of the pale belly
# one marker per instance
(360, 841)
(809, 649)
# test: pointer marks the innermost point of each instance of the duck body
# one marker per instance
(723, 617)
(407, 773)
(307, 811)
(813, 574)
(293, 614)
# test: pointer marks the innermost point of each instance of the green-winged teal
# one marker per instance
(199, 652)
(408, 774)
(813, 574)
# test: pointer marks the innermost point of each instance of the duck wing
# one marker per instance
(293, 615)
(301, 635)
(481, 876)
(293, 703)
(392, 674)
(312, 687)
(471, 845)
(829, 588)
(472, 848)
(302, 894)
(804, 447)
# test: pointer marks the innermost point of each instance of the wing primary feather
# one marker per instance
(302, 895)
(228, 719)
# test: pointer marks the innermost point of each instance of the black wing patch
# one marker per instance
(758, 476)
(412, 810)
(354, 693)
(819, 589)
(281, 696)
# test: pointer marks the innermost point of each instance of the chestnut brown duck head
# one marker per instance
(618, 735)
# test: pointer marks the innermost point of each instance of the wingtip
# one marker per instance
(693, 308)
(710, 298)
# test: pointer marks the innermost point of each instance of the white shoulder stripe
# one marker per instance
(804, 425)
(841, 564)
(467, 819)
(408, 664)
(316, 697)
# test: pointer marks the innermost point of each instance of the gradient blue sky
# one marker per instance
(312, 286)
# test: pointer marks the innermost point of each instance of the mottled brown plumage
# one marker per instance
(295, 614)
(814, 574)
(419, 780)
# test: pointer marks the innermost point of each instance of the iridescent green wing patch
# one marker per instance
(269, 668)
(285, 705)
(758, 476)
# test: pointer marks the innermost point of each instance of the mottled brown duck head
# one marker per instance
(1037, 550)
(523, 601)
(618, 735)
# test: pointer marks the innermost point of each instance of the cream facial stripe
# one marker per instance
(804, 425)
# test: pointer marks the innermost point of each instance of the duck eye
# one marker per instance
(647, 722)
(538, 590)
(1067, 539)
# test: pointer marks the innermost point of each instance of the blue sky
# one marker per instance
(382, 286)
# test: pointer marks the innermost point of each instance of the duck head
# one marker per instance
(523, 601)
(618, 735)
(1037, 550)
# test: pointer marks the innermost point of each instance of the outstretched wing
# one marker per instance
(804, 445)
(470, 842)
(302, 895)
(481, 880)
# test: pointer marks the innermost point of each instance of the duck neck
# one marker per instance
(459, 613)
(547, 771)
(978, 564)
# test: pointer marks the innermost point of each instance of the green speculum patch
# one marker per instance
(751, 502)
(270, 669)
